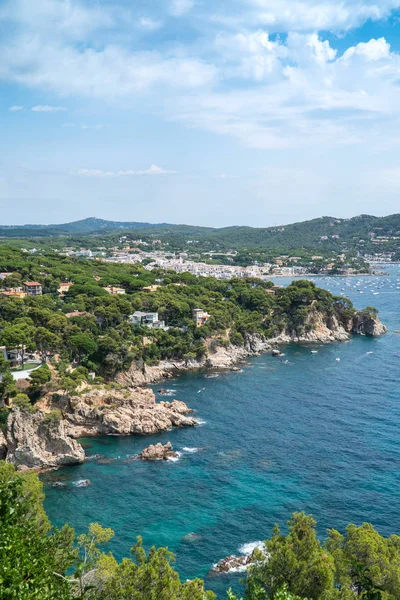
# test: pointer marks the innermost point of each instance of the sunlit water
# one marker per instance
(315, 434)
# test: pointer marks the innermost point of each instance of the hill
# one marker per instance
(328, 233)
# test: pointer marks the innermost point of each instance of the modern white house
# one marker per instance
(147, 319)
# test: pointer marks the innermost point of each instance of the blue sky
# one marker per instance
(208, 112)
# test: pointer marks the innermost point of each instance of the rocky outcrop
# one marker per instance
(45, 438)
(3, 446)
(133, 413)
(158, 452)
(366, 323)
(232, 564)
(35, 441)
(235, 564)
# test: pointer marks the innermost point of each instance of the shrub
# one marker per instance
(22, 402)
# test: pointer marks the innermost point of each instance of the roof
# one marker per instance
(32, 283)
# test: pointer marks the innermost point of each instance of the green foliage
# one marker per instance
(52, 418)
(22, 402)
(297, 560)
(97, 333)
(8, 386)
(36, 560)
(38, 378)
(33, 557)
(148, 577)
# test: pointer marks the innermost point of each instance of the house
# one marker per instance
(33, 288)
(64, 288)
(5, 275)
(13, 293)
(200, 316)
(12, 355)
(147, 319)
(115, 291)
(151, 288)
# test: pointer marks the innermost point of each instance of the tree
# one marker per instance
(90, 553)
(8, 386)
(39, 378)
(46, 342)
(366, 561)
(149, 577)
(33, 557)
(82, 344)
(297, 560)
(18, 336)
(22, 402)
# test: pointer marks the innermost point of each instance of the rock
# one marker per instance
(276, 352)
(100, 412)
(3, 446)
(240, 563)
(192, 537)
(33, 441)
(232, 563)
(158, 452)
(82, 483)
(365, 323)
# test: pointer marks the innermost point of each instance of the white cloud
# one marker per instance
(68, 19)
(46, 108)
(150, 24)
(16, 108)
(181, 7)
(306, 15)
(109, 72)
(267, 91)
(370, 51)
(152, 170)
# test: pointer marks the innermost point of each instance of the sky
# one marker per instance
(206, 112)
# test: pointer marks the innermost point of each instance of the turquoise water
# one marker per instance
(316, 434)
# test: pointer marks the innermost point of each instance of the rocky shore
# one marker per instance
(319, 328)
(46, 438)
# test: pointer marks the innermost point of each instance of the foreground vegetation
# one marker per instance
(38, 562)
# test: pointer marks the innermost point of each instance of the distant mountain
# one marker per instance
(88, 226)
(307, 234)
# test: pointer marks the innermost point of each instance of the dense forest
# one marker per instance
(38, 562)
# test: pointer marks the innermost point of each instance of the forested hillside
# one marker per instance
(322, 233)
(89, 325)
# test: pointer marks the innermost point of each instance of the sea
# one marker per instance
(317, 431)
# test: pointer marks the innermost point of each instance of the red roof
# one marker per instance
(31, 283)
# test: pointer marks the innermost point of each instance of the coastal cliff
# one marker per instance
(46, 437)
(317, 328)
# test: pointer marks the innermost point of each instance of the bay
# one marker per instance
(315, 434)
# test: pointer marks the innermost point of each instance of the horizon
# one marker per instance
(188, 111)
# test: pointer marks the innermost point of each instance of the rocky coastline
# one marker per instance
(47, 437)
(323, 329)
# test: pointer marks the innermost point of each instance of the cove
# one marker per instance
(315, 434)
